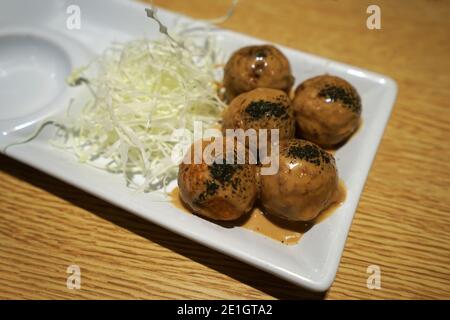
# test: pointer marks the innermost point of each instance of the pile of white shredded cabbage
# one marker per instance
(141, 92)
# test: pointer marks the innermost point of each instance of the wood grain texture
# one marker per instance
(402, 223)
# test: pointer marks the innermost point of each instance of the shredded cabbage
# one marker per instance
(141, 92)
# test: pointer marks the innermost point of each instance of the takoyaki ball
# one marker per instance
(327, 110)
(253, 67)
(305, 184)
(219, 190)
(261, 108)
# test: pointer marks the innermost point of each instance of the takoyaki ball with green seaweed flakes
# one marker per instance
(305, 184)
(251, 67)
(218, 191)
(261, 108)
(327, 110)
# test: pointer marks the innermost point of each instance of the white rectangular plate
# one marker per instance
(313, 262)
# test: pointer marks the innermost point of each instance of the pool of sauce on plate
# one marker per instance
(286, 232)
(176, 200)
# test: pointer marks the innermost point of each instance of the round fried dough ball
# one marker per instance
(305, 184)
(217, 189)
(251, 67)
(327, 110)
(261, 108)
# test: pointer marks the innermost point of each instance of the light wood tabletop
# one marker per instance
(402, 223)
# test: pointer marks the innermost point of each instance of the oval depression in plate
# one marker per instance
(32, 73)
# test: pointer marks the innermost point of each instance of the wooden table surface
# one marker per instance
(402, 223)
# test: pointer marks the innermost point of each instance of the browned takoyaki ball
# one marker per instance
(219, 191)
(253, 67)
(305, 184)
(327, 110)
(261, 108)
